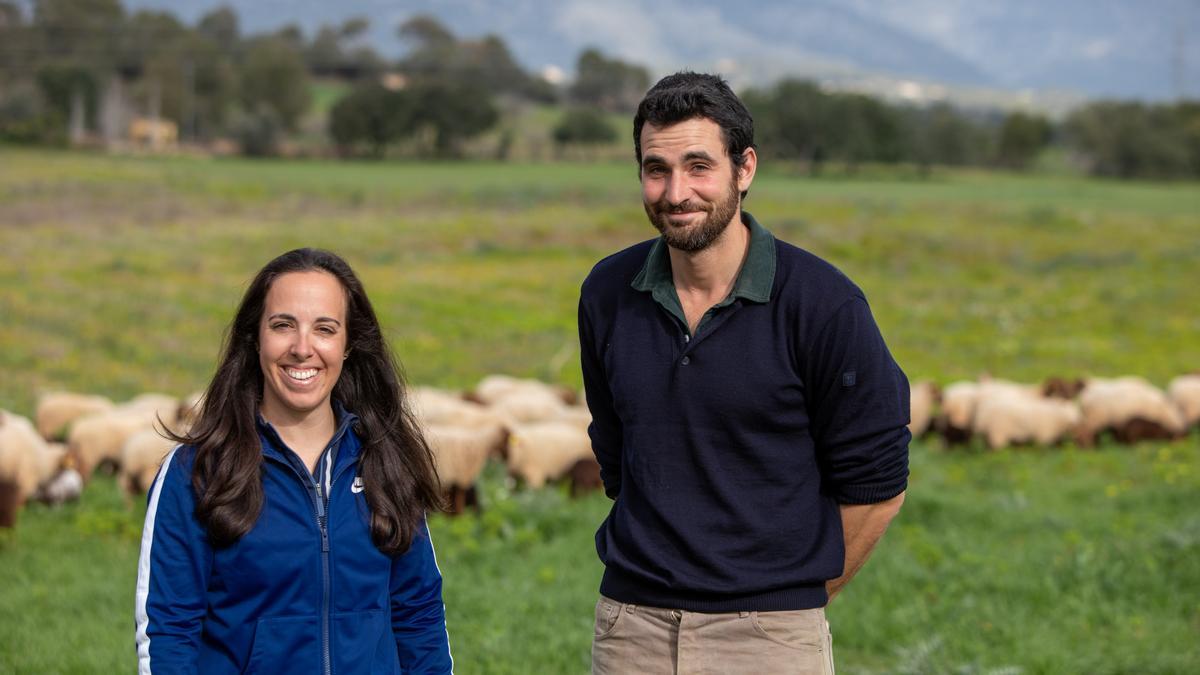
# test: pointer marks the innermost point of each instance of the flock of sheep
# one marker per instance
(539, 430)
(1004, 413)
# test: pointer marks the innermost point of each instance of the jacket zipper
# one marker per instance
(319, 507)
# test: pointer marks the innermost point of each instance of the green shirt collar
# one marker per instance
(753, 283)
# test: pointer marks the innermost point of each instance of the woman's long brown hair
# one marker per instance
(399, 477)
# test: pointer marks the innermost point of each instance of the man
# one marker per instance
(747, 416)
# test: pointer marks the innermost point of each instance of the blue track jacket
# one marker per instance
(305, 591)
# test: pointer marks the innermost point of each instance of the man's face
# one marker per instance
(690, 188)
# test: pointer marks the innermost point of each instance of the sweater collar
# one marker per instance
(753, 283)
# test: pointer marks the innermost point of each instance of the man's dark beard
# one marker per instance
(699, 238)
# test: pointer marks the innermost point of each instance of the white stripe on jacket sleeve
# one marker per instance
(143, 578)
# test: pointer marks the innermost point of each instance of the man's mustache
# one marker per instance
(663, 206)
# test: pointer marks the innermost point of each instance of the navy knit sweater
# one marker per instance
(728, 452)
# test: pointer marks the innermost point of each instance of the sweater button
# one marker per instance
(686, 360)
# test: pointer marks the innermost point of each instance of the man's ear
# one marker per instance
(745, 172)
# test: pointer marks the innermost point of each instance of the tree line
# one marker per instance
(74, 66)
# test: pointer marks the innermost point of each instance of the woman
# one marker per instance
(287, 533)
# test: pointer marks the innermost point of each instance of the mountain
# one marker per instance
(1147, 49)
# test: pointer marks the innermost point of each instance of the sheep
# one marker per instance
(158, 407)
(494, 387)
(460, 454)
(141, 455)
(584, 476)
(958, 410)
(56, 411)
(1185, 392)
(1061, 387)
(1132, 408)
(65, 486)
(529, 405)
(1006, 417)
(546, 451)
(99, 438)
(575, 415)
(26, 461)
(189, 409)
(923, 397)
(435, 406)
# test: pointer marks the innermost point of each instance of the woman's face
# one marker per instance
(301, 343)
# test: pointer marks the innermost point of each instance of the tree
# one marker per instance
(485, 64)
(221, 26)
(453, 113)
(371, 115)
(334, 51)
(790, 121)
(584, 126)
(274, 78)
(1022, 137)
(1130, 140)
(609, 84)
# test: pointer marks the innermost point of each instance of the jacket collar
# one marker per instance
(344, 437)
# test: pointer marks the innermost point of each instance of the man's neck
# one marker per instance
(711, 272)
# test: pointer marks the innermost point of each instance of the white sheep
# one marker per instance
(141, 455)
(1131, 407)
(494, 387)
(546, 451)
(1185, 392)
(958, 410)
(1006, 417)
(460, 454)
(526, 405)
(26, 461)
(189, 409)
(157, 407)
(57, 410)
(99, 438)
(923, 397)
(576, 415)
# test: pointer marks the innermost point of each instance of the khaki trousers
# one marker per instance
(654, 641)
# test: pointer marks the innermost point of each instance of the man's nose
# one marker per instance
(678, 190)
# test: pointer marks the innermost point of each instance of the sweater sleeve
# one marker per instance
(605, 429)
(173, 573)
(418, 614)
(858, 407)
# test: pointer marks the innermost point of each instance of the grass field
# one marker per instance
(117, 276)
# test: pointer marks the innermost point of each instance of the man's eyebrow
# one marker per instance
(692, 156)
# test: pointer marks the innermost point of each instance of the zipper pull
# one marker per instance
(324, 537)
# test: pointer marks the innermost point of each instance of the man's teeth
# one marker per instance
(301, 374)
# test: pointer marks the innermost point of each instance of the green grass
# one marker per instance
(118, 275)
